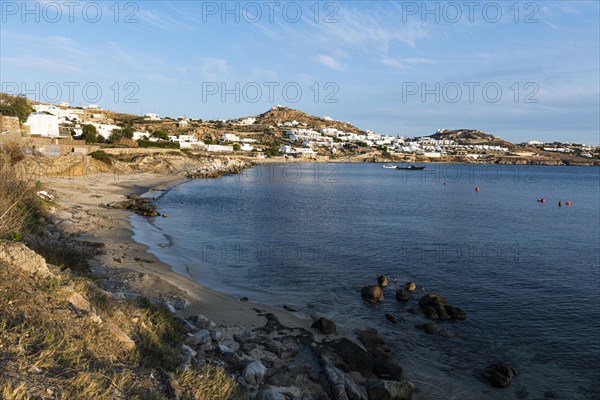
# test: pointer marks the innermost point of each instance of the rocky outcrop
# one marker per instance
(382, 281)
(499, 375)
(17, 255)
(402, 295)
(436, 307)
(372, 294)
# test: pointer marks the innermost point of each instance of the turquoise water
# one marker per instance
(311, 235)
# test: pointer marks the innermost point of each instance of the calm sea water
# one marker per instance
(311, 235)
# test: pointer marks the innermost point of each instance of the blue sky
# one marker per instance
(520, 70)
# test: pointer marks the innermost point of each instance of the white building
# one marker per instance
(183, 123)
(104, 130)
(246, 147)
(218, 148)
(230, 137)
(247, 121)
(92, 107)
(286, 149)
(152, 117)
(140, 135)
(42, 124)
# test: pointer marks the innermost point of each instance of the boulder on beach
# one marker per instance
(402, 295)
(411, 286)
(372, 294)
(382, 281)
(499, 375)
(254, 373)
(325, 326)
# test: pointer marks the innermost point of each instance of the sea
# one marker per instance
(310, 235)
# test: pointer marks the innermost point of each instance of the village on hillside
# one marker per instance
(60, 129)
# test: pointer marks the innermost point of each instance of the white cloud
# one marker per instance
(330, 62)
(405, 62)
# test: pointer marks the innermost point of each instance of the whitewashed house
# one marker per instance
(286, 149)
(246, 147)
(182, 123)
(218, 148)
(230, 137)
(104, 130)
(247, 121)
(42, 124)
(152, 117)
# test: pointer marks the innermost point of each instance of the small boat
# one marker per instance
(411, 168)
(390, 166)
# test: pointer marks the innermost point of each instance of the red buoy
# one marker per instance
(543, 200)
(477, 189)
(568, 202)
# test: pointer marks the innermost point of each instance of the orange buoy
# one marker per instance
(477, 189)
(568, 202)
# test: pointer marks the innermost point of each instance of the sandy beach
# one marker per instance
(126, 265)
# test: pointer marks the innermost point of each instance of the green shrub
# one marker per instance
(102, 156)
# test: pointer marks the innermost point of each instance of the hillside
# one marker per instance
(472, 136)
(280, 115)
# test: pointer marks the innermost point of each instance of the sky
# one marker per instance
(519, 70)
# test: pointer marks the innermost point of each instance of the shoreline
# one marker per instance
(153, 278)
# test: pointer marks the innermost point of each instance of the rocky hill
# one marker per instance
(471, 136)
(280, 115)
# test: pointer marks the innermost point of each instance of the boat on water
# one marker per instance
(411, 168)
(390, 166)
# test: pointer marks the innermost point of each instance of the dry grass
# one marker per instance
(49, 349)
(17, 197)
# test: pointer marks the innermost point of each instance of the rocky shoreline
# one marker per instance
(272, 354)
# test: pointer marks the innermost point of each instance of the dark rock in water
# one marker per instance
(442, 313)
(455, 312)
(432, 299)
(165, 215)
(429, 327)
(382, 281)
(289, 308)
(372, 294)
(325, 326)
(391, 318)
(499, 375)
(389, 390)
(430, 312)
(413, 310)
(436, 307)
(355, 357)
(411, 286)
(243, 298)
(402, 295)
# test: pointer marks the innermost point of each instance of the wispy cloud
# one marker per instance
(403, 63)
(330, 62)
